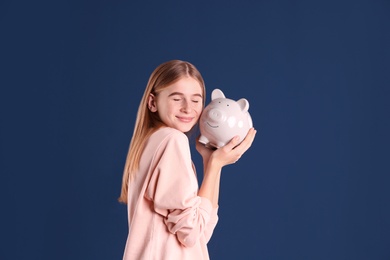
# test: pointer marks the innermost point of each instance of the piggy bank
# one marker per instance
(222, 119)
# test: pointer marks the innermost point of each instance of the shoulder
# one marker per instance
(168, 142)
(167, 135)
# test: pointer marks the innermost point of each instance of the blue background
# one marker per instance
(314, 185)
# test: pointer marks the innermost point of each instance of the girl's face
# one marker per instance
(179, 105)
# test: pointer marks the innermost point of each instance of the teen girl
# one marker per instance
(170, 216)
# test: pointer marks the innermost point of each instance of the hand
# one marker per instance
(203, 150)
(232, 152)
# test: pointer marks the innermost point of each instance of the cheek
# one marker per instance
(171, 107)
(199, 109)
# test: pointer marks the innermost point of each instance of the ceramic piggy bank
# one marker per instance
(222, 119)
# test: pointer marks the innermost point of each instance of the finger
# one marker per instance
(232, 143)
(250, 136)
(247, 142)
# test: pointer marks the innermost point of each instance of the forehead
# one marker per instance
(185, 86)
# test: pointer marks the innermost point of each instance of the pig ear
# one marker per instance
(217, 93)
(244, 104)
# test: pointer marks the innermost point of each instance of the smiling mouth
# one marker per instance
(211, 125)
(185, 119)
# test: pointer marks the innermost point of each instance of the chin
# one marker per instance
(184, 129)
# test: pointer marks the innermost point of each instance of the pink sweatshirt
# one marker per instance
(167, 219)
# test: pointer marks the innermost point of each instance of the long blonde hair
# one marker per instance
(148, 122)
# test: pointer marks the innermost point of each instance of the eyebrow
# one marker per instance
(181, 94)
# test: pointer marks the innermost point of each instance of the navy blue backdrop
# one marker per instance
(314, 185)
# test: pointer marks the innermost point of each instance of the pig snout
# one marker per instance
(216, 115)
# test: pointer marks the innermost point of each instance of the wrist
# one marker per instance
(213, 165)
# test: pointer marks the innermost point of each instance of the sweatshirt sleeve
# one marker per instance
(211, 224)
(173, 189)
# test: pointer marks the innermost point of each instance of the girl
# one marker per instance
(169, 216)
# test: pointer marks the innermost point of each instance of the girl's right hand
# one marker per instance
(232, 152)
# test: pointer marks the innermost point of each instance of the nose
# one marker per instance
(185, 106)
(216, 115)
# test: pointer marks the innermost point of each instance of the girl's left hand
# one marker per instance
(228, 154)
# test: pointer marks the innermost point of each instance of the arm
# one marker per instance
(173, 187)
(214, 161)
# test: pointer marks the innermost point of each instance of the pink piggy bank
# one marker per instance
(223, 119)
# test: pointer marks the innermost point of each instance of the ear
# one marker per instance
(244, 104)
(152, 105)
(217, 93)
